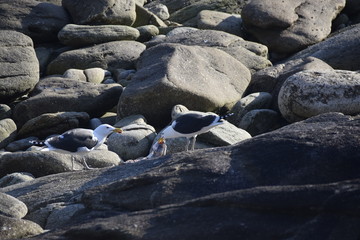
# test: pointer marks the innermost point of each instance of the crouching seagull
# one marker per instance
(79, 139)
(158, 149)
(191, 124)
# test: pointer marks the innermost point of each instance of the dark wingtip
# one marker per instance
(226, 115)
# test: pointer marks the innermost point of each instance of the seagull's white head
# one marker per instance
(105, 130)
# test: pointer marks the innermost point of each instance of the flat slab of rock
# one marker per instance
(40, 21)
(42, 163)
(53, 123)
(101, 12)
(19, 69)
(289, 26)
(84, 35)
(109, 56)
(252, 55)
(56, 94)
(170, 74)
(309, 93)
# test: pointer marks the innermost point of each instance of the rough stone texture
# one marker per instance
(136, 139)
(147, 32)
(158, 9)
(14, 178)
(40, 21)
(340, 50)
(174, 79)
(56, 94)
(84, 35)
(260, 100)
(270, 182)
(289, 26)
(42, 163)
(230, 23)
(145, 17)
(95, 12)
(109, 56)
(187, 14)
(19, 69)
(62, 214)
(259, 121)
(224, 134)
(11, 207)
(252, 55)
(53, 123)
(7, 132)
(309, 93)
(14, 228)
(271, 79)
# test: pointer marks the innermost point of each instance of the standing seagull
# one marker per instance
(191, 124)
(79, 139)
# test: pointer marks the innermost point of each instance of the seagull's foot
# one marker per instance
(87, 166)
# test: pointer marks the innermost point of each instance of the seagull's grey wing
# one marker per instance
(190, 123)
(74, 139)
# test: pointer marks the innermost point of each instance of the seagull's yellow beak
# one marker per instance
(118, 130)
(161, 140)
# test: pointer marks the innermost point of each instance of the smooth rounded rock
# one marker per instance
(14, 228)
(19, 69)
(12, 207)
(7, 132)
(14, 178)
(309, 93)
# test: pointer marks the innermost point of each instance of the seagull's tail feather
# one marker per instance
(37, 142)
(226, 115)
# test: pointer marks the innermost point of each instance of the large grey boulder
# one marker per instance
(84, 35)
(309, 93)
(252, 55)
(7, 132)
(340, 50)
(94, 12)
(289, 26)
(109, 56)
(170, 74)
(39, 20)
(19, 69)
(56, 94)
(42, 163)
(233, 189)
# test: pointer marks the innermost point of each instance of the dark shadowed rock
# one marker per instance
(287, 182)
(101, 12)
(19, 69)
(39, 20)
(56, 94)
(53, 123)
(109, 56)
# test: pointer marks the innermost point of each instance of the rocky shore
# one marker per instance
(284, 166)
